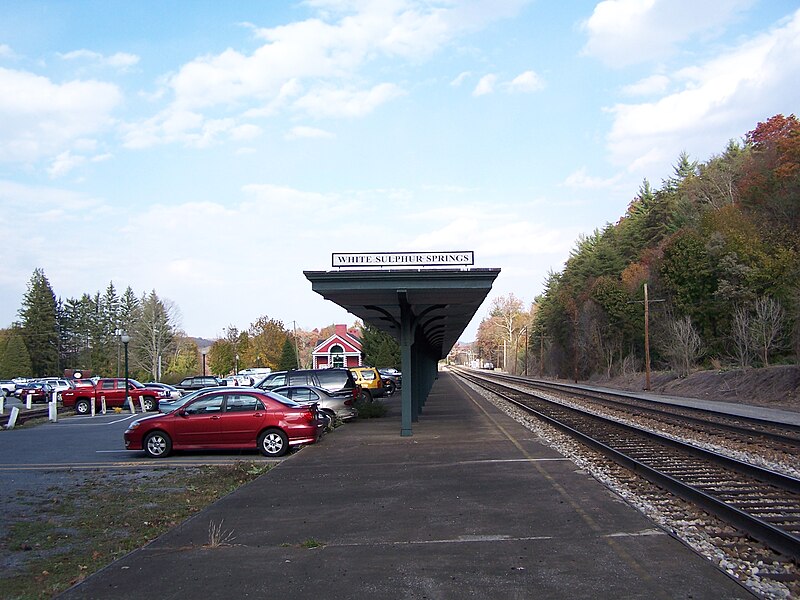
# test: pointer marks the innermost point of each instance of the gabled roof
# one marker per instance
(348, 342)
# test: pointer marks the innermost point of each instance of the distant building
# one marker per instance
(342, 349)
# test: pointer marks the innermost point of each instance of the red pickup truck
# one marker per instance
(113, 390)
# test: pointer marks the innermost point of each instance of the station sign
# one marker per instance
(461, 258)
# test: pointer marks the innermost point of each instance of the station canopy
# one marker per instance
(441, 302)
(425, 310)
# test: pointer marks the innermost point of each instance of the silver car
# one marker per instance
(342, 405)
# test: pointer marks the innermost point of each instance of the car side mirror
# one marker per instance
(181, 412)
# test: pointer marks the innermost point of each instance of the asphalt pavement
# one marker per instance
(473, 505)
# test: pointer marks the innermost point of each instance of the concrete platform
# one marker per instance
(473, 505)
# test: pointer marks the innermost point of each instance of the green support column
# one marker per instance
(417, 383)
(406, 354)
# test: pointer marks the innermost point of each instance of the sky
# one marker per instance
(213, 151)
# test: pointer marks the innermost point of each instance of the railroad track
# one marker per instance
(757, 501)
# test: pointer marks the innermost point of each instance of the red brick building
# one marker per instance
(342, 349)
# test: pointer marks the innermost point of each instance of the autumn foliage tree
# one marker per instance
(711, 242)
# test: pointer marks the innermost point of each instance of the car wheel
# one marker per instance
(273, 443)
(82, 407)
(157, 444)
(149, 404)
(365, 396)
(390, 387)
(330, 417)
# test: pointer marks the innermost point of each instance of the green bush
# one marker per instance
(371, 410)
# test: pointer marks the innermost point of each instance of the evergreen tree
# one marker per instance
(39, 325)
(14, 358)
(288, 358)
(379, 348)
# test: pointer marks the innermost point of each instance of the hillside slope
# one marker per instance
(773, 387)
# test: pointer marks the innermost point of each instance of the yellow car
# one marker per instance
(370, 382)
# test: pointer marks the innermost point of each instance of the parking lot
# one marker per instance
(37, 460)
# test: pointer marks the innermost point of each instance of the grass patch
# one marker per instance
(79, 530)
(311, 543)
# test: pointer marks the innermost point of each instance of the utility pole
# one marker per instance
(647, 302)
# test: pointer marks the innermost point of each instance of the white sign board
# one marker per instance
(459, 258)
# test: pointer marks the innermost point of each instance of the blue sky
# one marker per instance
(213, 151)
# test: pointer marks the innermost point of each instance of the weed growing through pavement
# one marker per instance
(311, 543)
(217, 536)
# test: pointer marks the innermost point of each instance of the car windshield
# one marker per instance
(134, 383)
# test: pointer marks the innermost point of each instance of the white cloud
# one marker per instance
(463, 76)
(330, 102)
(301, 132)
(6, 51)
(579, 179)
(649, 86)
(720, 99)
(625, 32)
(316, 65)
(40, 118)
(485, 85)
(496, 232)
(120, 60)
(186, 127)
(527, 82)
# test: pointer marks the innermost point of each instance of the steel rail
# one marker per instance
(775, 537)
(738, 424)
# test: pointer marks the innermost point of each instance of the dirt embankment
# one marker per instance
(773, 387)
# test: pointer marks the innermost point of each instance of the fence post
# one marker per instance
(12, 419)
(53, 408)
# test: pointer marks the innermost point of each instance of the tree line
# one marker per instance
(716, 250)
(54, 335)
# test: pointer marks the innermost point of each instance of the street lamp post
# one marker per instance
(204, 351)
(236, 365)
(125, 339)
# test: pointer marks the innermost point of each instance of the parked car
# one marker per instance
(57, 383)
(336, 380)
(392, 379)
(370, 382)
(165, 391)
(39, 392)
(112, 390)
(7, 387)
(341, 406)
(228, 418)
(238, 380)
(198, 382)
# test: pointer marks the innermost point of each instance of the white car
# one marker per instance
(7, 387)
(58, 384)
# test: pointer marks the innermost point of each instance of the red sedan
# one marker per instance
(227, 418)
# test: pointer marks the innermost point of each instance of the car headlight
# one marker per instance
(133, 425)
